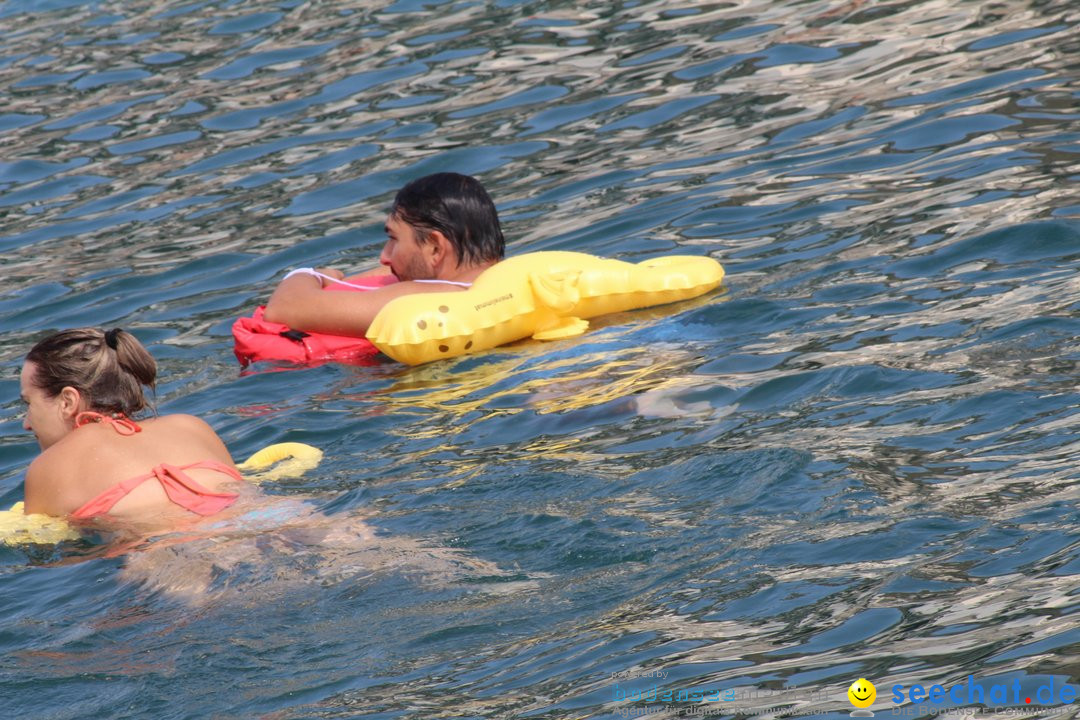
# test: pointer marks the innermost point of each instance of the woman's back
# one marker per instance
(171, 469)
(81, 386)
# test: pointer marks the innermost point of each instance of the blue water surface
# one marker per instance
(857, 459)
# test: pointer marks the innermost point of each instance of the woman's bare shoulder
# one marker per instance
(44, 464)
(43, 489)
(187, 430)
(179, 423)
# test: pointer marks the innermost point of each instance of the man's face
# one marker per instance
(404, 254)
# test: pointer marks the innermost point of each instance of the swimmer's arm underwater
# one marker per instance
(299, 302)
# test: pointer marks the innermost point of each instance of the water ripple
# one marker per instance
(856, 460)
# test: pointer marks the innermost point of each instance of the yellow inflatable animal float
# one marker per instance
(543, 295)
(274, 462)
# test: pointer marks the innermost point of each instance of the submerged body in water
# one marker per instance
(275, 545)
(178, 535)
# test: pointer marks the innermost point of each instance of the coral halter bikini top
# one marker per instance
(180, 488)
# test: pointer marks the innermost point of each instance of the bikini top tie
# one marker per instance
(119, 422)
(179, 487)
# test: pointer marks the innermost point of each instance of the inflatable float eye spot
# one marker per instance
(468, 345)
(443, 348)
(422, 324)
(443, 309)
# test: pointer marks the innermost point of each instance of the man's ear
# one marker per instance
(70, 402)
(440, 250)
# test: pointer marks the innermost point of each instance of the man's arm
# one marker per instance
(301, 303)
(374, 272)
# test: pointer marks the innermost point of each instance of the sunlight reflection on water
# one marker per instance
(856, 460)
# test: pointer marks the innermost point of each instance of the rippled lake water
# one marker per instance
(857, 459)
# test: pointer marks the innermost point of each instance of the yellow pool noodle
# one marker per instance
(280, 461)
(17, 528)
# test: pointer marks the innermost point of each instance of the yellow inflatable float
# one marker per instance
(17, 528)
(280, 461)
(543, 295)
(274, 462)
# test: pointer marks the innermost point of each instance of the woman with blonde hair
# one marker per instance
(83, 389)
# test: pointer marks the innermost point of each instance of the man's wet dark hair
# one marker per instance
(458, 207)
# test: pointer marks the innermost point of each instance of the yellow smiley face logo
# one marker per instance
(862, 693)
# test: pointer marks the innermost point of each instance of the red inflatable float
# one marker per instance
(256, 339)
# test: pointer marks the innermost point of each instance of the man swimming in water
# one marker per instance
(442, 232)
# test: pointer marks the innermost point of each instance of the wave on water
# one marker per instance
(855, 460)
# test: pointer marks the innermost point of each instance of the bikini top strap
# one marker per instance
(121, 423)
(185, 491)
